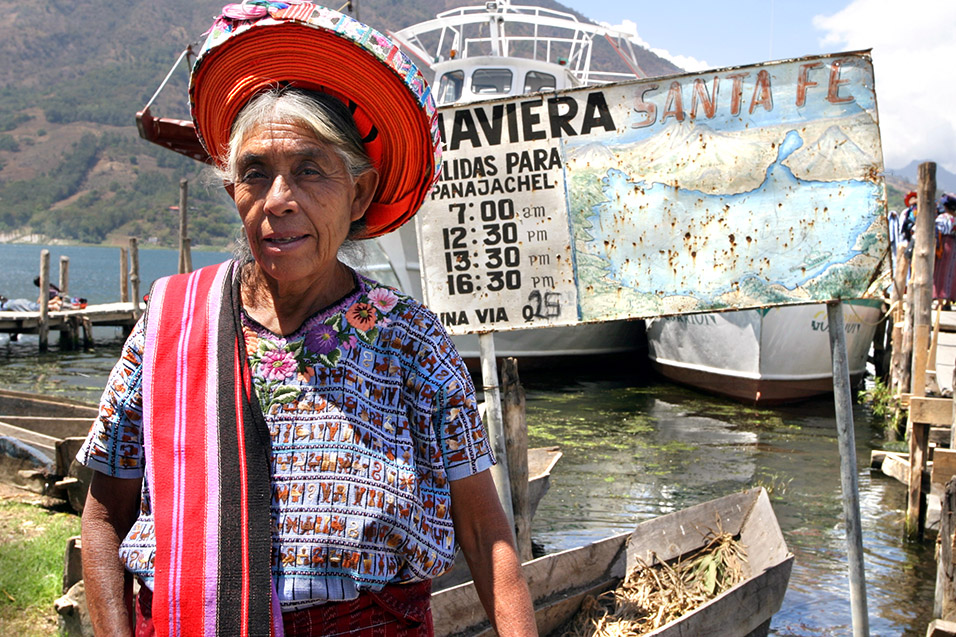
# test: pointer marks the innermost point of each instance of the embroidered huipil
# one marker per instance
(371, 413)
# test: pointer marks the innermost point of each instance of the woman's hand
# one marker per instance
(111, 508)
(481, 529)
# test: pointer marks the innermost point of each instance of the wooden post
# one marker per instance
(134, 274)
(924, 254)
(952, 427)
(945, 603)
(921, 281)
(87, 332)
(43, 329)
(68, 330)
(516, 433)
(880, 363)
(906, 344)
(932, 375)
(185, 259)
(899, 359)
(846, 439)
(919, 453)
(934, 342)
(124, 276)
(496, 434)
(65, 276)
(187, 244)
(70, 333)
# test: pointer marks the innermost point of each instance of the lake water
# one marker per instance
(634, 448)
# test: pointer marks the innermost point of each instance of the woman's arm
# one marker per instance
(111, 509)
(481, 529)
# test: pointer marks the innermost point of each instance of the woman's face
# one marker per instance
(296, 201)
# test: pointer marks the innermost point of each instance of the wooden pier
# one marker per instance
(74, 325)
(922, 383)
(72, 322)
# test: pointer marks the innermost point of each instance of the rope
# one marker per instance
(186, 51)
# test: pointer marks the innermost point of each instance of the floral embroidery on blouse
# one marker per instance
(320, 341)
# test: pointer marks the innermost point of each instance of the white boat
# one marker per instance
(761, 356)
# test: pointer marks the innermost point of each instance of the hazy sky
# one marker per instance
(913, 42)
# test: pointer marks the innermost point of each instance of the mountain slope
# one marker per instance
(74, 74)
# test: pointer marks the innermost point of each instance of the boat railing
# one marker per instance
(577, 61)
(503, 30)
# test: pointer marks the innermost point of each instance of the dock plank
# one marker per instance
(931, 411)
(108, 314)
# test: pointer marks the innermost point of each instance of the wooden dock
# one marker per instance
(72, 323)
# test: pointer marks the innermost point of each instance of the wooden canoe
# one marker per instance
(48, 416)
(39, 437)
(560, 582)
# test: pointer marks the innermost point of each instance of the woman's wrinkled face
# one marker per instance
(296, 200)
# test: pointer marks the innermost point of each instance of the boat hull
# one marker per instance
(763, 356)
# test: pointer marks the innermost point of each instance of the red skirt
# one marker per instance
(398, 610)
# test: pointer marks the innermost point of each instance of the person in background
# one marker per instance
(53, 290)
(908, 221)
(944, 267)
(53, 303)
(286, 446)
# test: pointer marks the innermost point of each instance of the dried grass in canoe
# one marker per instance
(652, 596)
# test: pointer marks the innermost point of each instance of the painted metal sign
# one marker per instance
(744, 187)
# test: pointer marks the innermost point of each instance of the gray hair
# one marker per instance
(326, 116)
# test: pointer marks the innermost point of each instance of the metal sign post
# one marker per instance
(495, 423)
(851, 494)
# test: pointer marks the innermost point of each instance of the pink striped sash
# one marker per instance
(207, 459)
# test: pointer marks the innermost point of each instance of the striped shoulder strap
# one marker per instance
(207, 459)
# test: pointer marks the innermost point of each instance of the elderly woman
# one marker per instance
(286, 446)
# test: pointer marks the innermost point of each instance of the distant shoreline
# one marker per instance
(43, 240)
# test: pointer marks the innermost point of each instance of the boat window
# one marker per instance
(449, 87)
(491, 81)
(538, 81)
